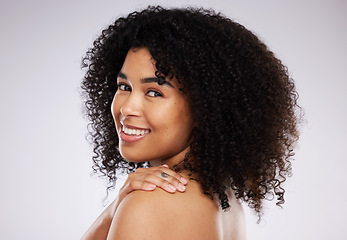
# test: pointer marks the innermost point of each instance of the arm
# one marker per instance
(101, 226)
(146, 179)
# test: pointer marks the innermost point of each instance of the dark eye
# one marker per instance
(153, 93)
(124, 87)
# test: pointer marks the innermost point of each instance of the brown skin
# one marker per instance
(163, 112)
(143, 179)
(157, 215)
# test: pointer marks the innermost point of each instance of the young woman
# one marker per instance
(199, 112)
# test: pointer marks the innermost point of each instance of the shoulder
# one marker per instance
(158, 214)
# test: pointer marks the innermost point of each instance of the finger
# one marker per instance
(166, 181)
(167, 184)
(137, 184)
(165, 168)
(173, 174)
(149, 181)
(148, 186)
(164, 175)
(178, 185)
(161, 176)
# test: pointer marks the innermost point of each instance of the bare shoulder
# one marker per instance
(158, 214)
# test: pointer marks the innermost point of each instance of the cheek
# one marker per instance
(114, 107)
(174, 119)
(115, 110)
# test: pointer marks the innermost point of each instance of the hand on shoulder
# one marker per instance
(145, 179)
(158, 214)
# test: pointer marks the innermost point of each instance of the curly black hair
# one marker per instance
(242, 99)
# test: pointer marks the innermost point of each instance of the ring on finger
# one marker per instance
(165, 175)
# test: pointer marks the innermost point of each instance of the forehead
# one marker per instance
(139, 64)
(139, 61)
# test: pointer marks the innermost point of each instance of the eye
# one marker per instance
(124, 87)
(153, 93)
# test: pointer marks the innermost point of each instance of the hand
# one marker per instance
(148, 179)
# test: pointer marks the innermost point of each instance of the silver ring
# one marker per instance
(165, 175)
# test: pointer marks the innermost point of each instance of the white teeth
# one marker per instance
(136, 132)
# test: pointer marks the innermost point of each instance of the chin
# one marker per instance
(135, 159)
(139, 158)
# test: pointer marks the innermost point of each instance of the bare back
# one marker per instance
(231, 222)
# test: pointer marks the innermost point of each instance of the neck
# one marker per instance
(171, 161)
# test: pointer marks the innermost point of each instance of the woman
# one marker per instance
(201, 114)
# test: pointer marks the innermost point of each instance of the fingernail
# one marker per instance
(172, 187)
(165, 166)
(183, 180)
(181, 187)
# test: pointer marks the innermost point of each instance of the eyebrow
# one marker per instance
(148, 80)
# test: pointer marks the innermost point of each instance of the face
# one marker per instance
(154, 122)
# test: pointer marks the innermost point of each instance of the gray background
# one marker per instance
(46, 188)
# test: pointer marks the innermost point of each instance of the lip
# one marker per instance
(131, 138)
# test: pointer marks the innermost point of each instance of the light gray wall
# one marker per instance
(46, 188)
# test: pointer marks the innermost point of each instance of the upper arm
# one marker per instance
(157, 215)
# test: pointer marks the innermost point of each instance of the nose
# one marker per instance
(131, 106)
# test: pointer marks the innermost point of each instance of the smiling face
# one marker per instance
(154, 121)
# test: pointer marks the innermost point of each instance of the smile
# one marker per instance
(133, 131)
(130, 135)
